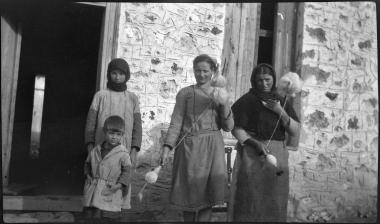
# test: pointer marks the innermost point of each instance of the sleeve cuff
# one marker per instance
(169, 146)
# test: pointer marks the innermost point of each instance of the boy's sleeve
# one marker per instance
(176, 120)
(137, 126)
(89, 135)
(126, 167)
(87, 165)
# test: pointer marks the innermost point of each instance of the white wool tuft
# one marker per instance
(220, 95)
(152, 176)
(289, 84)
(218, 80)
(272, 160)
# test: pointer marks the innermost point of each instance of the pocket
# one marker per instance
(106, 194)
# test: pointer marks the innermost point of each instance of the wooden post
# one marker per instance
(38, 105)
(108, 42)
(242, 26)
(10, 57)
(287, 56)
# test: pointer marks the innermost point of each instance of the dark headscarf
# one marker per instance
(264, 69)
(122, 65)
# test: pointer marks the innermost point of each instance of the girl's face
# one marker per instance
(264, 82)
(117, 76)
(113, 137)
(202, 72)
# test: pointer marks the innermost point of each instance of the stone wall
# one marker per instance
(335, 171)
(334, 174)
(160, 41)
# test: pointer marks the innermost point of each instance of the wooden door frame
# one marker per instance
(107, 51)
(9, 76)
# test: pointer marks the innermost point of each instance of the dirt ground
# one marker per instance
(154, 206)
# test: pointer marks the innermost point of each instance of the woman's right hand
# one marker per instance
(257, 145)
(164, 155)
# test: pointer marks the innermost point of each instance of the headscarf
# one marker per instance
(264, 96)
(122, 65)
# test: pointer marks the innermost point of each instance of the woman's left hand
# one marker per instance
(273, 105)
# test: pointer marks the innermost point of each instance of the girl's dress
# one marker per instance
(199, 167)
(258, 194)
(107, 103)
(104, 171)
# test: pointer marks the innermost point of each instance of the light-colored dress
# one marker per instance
(107, 103)
(105, 171)
(199, 167)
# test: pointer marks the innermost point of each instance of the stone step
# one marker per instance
(38, 217)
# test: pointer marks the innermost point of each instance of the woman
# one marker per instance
(260, 190)
(199, 167)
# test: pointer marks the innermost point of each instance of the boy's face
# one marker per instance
(117, 76)
(113, 137)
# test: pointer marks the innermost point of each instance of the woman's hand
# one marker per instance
(275, 106)
(164, 155)
(257, 145)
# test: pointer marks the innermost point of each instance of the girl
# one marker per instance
(199, 167)
(115, 100)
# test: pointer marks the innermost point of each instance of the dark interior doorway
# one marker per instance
(60, 41)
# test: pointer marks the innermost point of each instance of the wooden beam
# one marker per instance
(108, 41)
(230, 51)
(100, 4)
(240, 45)
(43, 203)
(38, 105)
(283, 38)
(10, 58)
(249, 44)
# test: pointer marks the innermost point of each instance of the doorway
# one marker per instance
(61, 42)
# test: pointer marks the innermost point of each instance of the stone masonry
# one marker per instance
(334, 173)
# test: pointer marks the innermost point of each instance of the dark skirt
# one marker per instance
(199, 172)
(258, 193)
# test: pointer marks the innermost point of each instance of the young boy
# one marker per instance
(107, 169)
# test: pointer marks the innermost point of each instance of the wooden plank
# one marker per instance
(231, 45)
(10, 57)
(249, 43)
(284, 38)
(240, 45)
(43, 203)
(38, 105)
(108, 43)
(100, 4)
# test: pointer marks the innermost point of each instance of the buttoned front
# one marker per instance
(106, 171)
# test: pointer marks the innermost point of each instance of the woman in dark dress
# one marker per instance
(260, 190)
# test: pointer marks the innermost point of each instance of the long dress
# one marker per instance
(258, 193)
(107, 103)
(199, 168)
